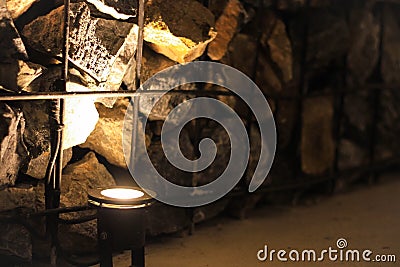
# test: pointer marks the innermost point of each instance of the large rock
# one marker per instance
(317, 143)
(280, 48)
(118, 9)
(107, 137)
(219, 135)
(227, 25)
(77, 127)
(180, 31)
(99, 47)
(18, 197)
(164, 167)
(329, 38)
(17, 75)
(275, 61)
(15, 241)
(351, 154)
(120, 67)
(36, 167)
(77, 179)
(11, 45)
(152, 64)
(388, 130)
(364, 45)
(36, 113)
(390, 66)
(241, 54)
(12, 151)
(355, 129)
(18, 7)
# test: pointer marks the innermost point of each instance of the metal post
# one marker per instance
(54, 169)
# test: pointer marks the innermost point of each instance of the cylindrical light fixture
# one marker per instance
(120, 221)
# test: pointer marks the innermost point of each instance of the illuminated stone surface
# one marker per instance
(94, 43)
(226, 26)
(107, 138)
(18, 7)
(11, 46)
(317, 144)
(12, 126)
(180, 31)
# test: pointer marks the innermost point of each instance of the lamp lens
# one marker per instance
(122, 193)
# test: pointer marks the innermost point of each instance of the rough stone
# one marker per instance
(165, 168)
(364, 52)
(120, 67)
(390, 66)
(152, 64)
(317, 143)
(18, 7)
(327, 25)
(275, 59)
(355, 129)
(107, 138)
(15, 241)
(218, 134)
(17, 197)
(94, 43)
(266, 77)
(217, 6)
(387, 144)
(118, 9)
(37, 134)
(280, 49)
(77, 179)
(11, 45)
(226, 26)
(351, 155)
(241, 54)
(286, 121)
(180, 31)
(12, 151)
(16, 76)
(77, 127)
(37, 166)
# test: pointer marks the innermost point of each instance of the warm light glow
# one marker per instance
(122, 193)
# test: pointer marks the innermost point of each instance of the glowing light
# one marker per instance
(122, 193)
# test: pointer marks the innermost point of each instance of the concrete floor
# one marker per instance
(367, 217)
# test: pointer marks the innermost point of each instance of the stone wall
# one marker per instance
(301, 58)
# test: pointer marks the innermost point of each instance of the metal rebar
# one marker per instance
(100, 94)
(139, 50)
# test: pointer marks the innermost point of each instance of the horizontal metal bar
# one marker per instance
(97, 94)
(67, 95)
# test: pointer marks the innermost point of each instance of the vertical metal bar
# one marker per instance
(303, 85)
(137, 255)
(56, 119)
(136, 98)
(139, 51)
(376, 102)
